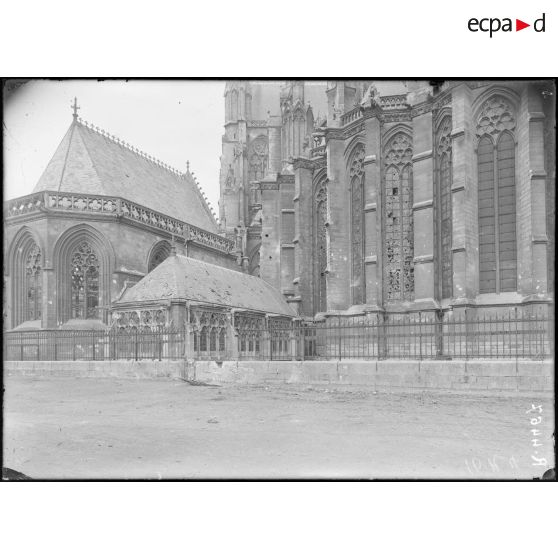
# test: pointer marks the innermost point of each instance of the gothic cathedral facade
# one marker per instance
(358, 197)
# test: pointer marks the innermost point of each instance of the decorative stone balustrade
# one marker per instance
(24, 205)
(119, 207)
(351, 116)
(394, 102)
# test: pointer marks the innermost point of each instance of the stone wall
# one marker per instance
(495, 377)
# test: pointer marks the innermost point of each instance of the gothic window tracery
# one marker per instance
(209, 333)
(496, 196)
(159, 255)
(444, 213)
(33, 284)
(321, 247)
(398, 219)
(356, 177)
(84, 282)
(258, 159)
(249, 329)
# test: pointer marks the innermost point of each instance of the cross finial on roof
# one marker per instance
(75, 107)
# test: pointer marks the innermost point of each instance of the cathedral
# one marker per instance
(366, 197)
(342, 198)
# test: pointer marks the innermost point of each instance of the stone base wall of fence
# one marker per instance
(495, 377)
(492, 377)
(122, 369)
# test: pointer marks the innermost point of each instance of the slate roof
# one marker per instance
(180, 277)
(88, 161)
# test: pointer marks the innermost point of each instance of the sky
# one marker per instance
(174, 121)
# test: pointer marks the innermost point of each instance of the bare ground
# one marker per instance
(68, 428)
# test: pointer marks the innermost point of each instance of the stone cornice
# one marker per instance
(95, 207)
(422, 156)
(425, 204)
(457, 132)
(426, 258)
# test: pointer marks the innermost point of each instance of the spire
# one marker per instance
(173, 246)
(187, 166)
(76, 108)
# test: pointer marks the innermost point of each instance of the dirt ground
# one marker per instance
(68, 428)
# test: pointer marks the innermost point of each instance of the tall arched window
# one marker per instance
(257, 159)
(26, 269)
(444, 208)
(356, 177)
(398, 219)
(320, 247)
(85, 282)
(158, 255)
(33, 284)
(496, 197)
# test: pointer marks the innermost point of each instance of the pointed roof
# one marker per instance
(180, 277)
(91, 161)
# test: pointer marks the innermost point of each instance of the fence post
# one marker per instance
(420, 335)
(339, 337)
(466, 336)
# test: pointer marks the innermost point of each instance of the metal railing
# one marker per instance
(163, 344)
(407, 337)
(422, 337)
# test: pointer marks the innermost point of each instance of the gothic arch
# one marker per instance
(254, 260)
(26, 259)
(355, 181)
(440, 115)
(443, 203)
(508, 94)
(320, 238)
(495, 121)
(85, 239)
(318, 178)
(397, 216)
(400, 128)
(159, 252)
(357, 140)
(258, 153)
(17, 240)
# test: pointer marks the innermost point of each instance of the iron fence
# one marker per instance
(408, 337)
(94, 345)
(380, 337)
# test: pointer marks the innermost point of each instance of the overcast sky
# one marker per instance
(174, 121)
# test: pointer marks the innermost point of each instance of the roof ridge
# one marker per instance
(66, 156)
(144, 155)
